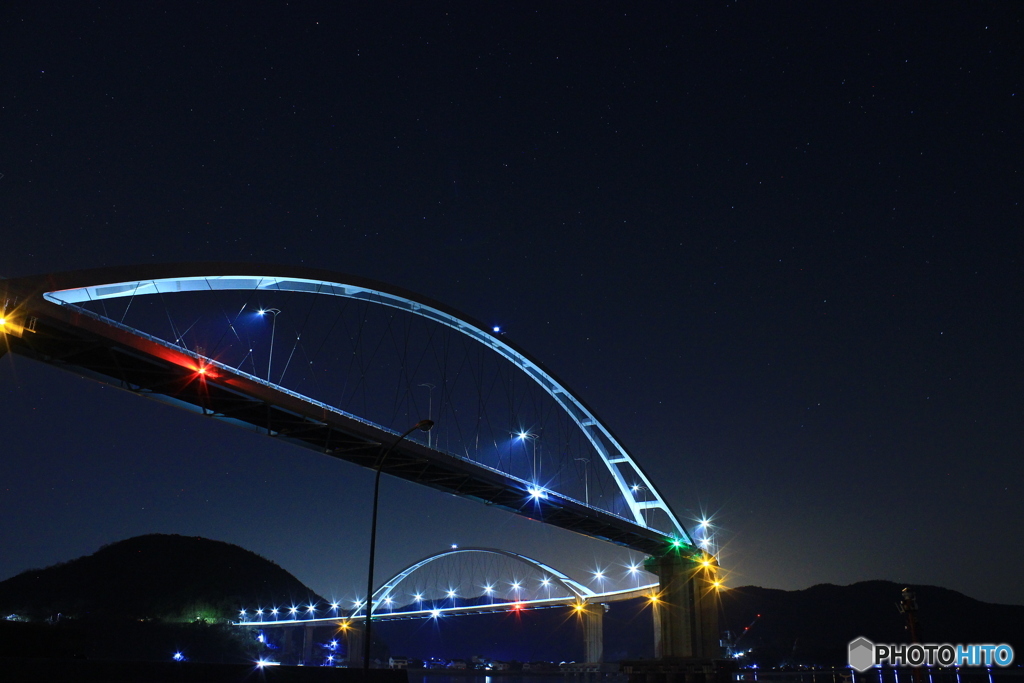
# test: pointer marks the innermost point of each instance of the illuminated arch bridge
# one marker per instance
(341, 365)
(457, 582)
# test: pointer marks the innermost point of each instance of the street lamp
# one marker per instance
(273, 329)
(586, 479)
(636, 488)
(430, 409)
(532, 437)
(424, 425)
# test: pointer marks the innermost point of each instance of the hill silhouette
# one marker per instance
(814, 625)
(160, 577)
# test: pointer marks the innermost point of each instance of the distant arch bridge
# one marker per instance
(470, 590)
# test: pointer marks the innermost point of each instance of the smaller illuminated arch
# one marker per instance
(386, 590)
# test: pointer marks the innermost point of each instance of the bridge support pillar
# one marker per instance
(686, 608)
(307, 645)
(353, 644)
(286, 644)
(592, 615)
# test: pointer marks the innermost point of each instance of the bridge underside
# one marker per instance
(66, 337)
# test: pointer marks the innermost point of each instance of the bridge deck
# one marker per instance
(74, 339)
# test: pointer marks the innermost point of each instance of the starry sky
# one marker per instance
(776, 246)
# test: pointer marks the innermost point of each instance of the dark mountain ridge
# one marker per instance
(157, 576)
(815, 625)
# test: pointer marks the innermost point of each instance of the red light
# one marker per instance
(202, 371)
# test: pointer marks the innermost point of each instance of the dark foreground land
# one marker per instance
(26, 670)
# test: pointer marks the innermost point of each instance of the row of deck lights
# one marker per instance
(450, 594)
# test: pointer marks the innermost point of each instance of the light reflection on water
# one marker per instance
(420, 677)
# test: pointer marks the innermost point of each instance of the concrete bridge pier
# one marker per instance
(353, 643)
(686, 608)
(286, 643)
(307, 645)
(592, 615)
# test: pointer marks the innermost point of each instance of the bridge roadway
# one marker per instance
(356, 617)
(36, 324)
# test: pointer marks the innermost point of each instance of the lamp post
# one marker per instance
(424, 425)
(523, 436)
(586, 479)
(273, 329)
(430, 408)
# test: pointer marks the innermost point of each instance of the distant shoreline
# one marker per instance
(478, 672)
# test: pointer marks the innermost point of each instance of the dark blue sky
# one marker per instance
(777, 249)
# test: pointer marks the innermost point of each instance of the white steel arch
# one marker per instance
(385, 591)
(614, 456)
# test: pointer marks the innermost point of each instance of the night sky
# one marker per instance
(776, 246)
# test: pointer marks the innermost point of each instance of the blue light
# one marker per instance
(537, 492)
(178, 657)
(496, 329)
(435, 613)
